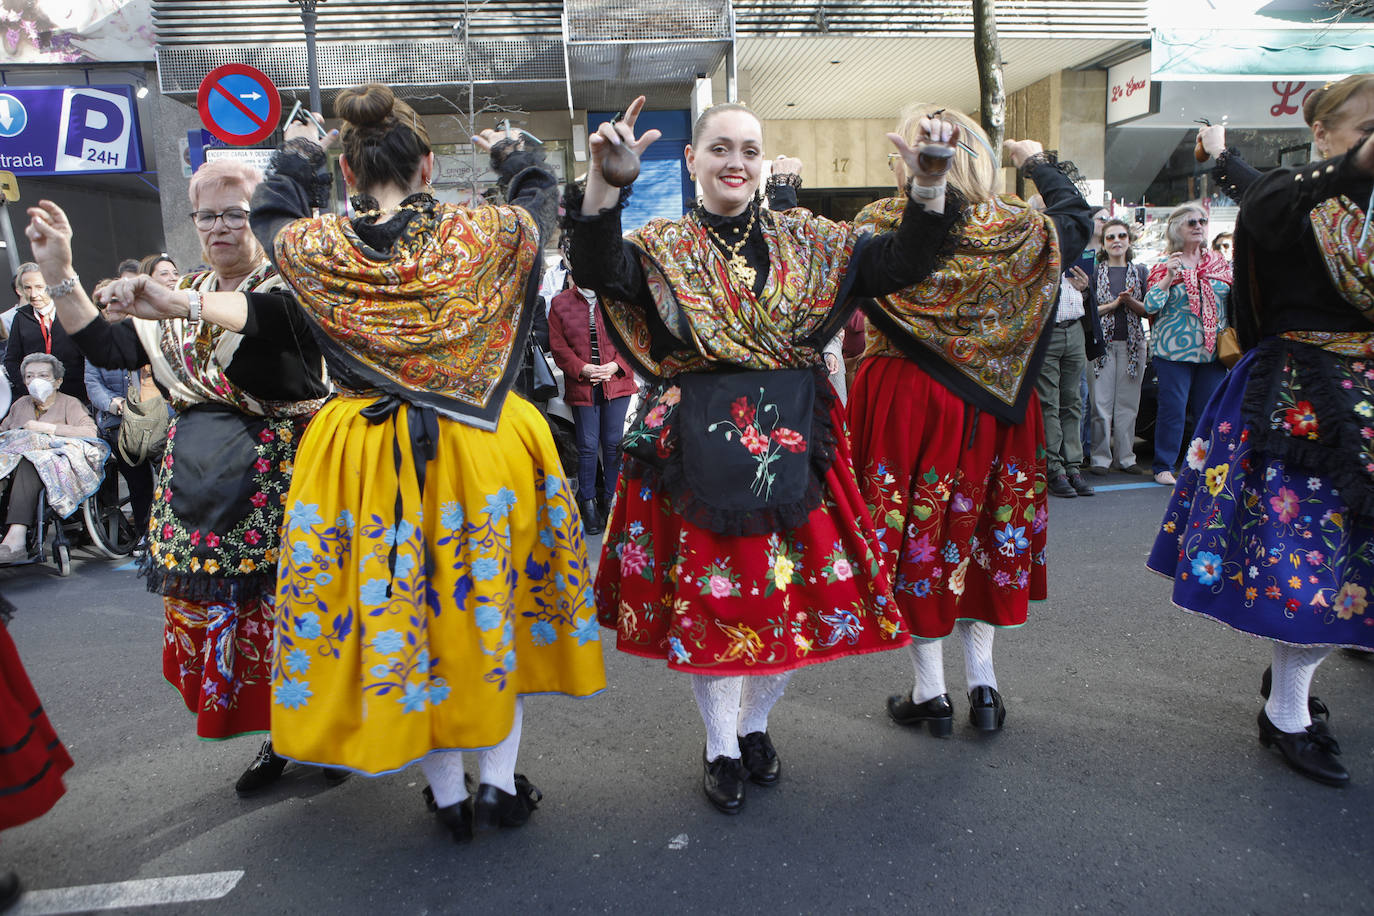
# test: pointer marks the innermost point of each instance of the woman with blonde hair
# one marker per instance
(947, 435)
(1186, 300)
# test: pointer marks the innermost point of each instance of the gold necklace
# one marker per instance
(388, 211)
(735, 262)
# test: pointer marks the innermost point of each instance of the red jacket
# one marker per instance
(570, 339)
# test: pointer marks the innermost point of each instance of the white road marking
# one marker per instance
(141, 892)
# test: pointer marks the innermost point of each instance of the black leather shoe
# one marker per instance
(497, 808)
(592, 523)
(335, 775)
(985, 709)
(937, 711)
(1312, 752)
(10, 889)
(1080, 486)
(603, 506)
(1059, 486)
(760, 759)
(1315, 707)
(262, 772)
(723, 783)
(457, 817)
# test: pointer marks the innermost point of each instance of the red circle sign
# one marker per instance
(239, 104)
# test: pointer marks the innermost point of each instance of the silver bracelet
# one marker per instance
(63, 288)
(193, 305)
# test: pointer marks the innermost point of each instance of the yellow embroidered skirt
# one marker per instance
(403, 632)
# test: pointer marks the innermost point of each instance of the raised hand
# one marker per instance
(142, 298)
(610, 135)
(1213, 139)
(300, 130)
(787, 165)
(1021, 150)
(50, 236)
(932, 130)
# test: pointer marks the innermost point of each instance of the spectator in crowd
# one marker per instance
(36, 330)
(597, 384)
(1186, 300)
(161, 268)
(47, 411)
(1116, 292)
(1061, 403)
(1222, 245)
(129, 267)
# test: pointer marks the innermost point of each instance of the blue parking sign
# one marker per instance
(66, 130)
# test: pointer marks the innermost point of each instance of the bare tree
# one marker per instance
(992, 96)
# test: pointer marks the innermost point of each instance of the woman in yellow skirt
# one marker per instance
(433, 569)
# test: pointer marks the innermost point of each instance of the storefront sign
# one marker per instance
(1250, 105)
(65, 130)
(1130, 93)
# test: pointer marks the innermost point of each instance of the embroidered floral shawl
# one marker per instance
(975, 323)
(715, 316)
(439, 319)
(189, 358)
(1202, 298)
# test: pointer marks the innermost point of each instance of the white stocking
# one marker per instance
(444, 770)
(718, 698)
(757, 697)
(928, 658)
(1293, 670)
(496, 766)
(978, 653)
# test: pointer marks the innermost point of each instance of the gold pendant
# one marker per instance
(742, 270)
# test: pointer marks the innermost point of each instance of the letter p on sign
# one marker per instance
(93, 131)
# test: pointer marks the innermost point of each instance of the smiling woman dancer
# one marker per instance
(738, 543)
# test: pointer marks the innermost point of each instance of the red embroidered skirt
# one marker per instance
(729, 605)
(218, 655)
(32, 758)
(956, 495)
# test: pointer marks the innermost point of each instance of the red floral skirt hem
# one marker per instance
(217, 654)
(735, 605)
(32, 757)
(956, 495)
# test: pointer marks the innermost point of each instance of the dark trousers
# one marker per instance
(25, 485)
(600, 428)
(139, 478)
(1181, 386)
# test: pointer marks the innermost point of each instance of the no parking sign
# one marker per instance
(239, 104)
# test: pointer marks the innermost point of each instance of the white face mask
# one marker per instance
(41, 389)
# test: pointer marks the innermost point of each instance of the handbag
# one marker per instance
(1228, 347)
(143, 427)
(544, 386)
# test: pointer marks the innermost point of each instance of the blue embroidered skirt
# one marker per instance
(1266, 547)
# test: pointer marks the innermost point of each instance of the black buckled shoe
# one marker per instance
(985, 709)
(265, 769)
(723, 783)
(760, 759)
(937, 711)
(457, 818)
(1312, 752)
(1315, 707)
(1059, 486)
(497, 808)
(10, 889)
(1080, 486)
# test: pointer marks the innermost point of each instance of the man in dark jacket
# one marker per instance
(36, 330)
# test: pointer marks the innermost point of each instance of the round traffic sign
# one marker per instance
(13, 117)
(239, 104)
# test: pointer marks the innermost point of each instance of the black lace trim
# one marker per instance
(573, 194)
(1050, 158)
(1334, 455)
(203, 588)
(304, 162)
(785, 180)
(1221, 172)
(670, 477)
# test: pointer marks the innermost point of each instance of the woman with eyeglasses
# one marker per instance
(245, 376)
(1186, 300)
(1117, 290)
(1271, 526)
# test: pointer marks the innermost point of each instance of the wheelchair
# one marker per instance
(103, 522)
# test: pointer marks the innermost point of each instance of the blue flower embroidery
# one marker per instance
(373, 592)
(387, 642)
(1012, 539)
(636, 529)
(304, 516)
(921, 588)
(500, 503)
(509, 661)
(345, 520)
(438, 693)
(308, 625)
(543, 633)
(422, 661)
(587, 631)
(298, 661)
(679, 653)
(487, 618)
(1207, 567)
(546, 538)
(404, 564)
(293, 694)
(323, 578)
(380, 671)
(950, 552)
(484, 568)
(557, 516)
(451, 516)
(414, 699)
(301, 553)
(398, 533)
(559, 582)
(552, 485)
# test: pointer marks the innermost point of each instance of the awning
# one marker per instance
(1261, 54)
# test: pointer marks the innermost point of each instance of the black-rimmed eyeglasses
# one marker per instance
(234, 218)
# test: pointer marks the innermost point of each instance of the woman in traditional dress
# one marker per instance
(1271, 526)
(433, 569)
(738, 546)
(32, 757)
(958, 497)
(245, 376)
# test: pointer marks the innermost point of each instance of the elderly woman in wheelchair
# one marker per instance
(48, 445)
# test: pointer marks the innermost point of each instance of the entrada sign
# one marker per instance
(66, 130)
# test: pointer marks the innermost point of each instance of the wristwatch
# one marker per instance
(193, 305)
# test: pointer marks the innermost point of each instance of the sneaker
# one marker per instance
(1059, 486)
(1080, 485)
(1165, 479)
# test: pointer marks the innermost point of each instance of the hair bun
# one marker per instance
(366, 105)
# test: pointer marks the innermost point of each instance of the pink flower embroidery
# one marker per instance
(654, 419)
(752, 439)
(720, 587)
(1285, 504)
(633, 559)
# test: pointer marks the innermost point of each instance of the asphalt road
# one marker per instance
(1128, 778)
